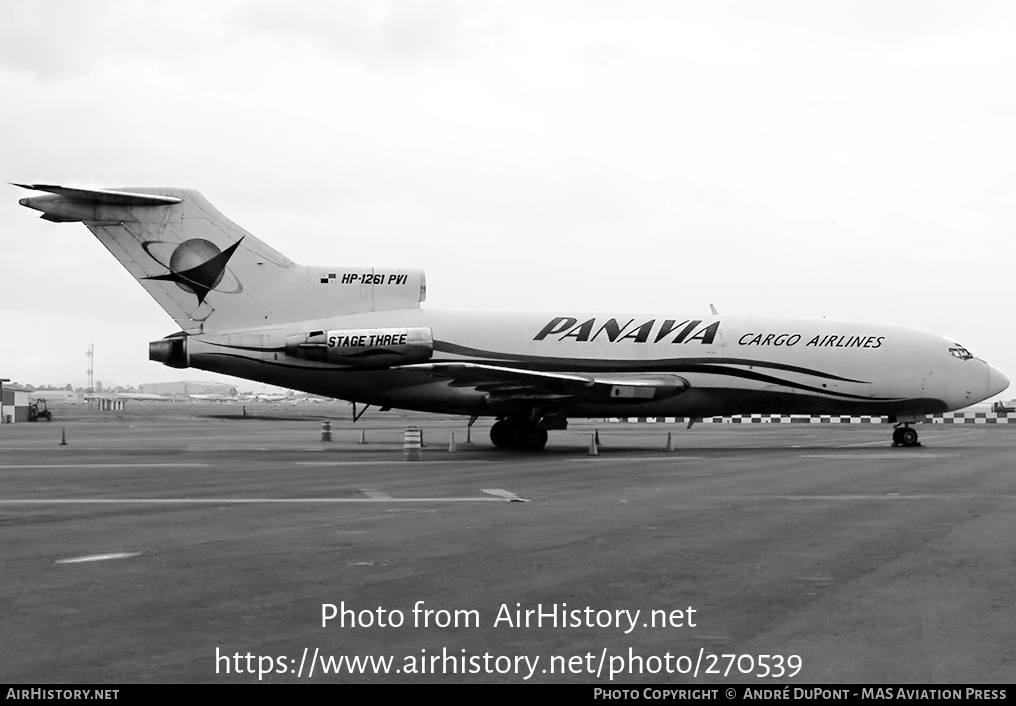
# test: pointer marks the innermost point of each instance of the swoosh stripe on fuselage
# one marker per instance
(671, 366)
(568, 364)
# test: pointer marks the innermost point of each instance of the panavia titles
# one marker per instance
(689, 331)
(246, 310)
(563, 328)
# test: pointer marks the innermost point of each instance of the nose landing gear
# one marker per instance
(903, 435)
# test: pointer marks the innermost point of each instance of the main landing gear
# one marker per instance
(519, 434)
(903, 435)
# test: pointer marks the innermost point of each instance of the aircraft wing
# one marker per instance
(504, 384)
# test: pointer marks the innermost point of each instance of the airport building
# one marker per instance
(14, 407)
(52, 396)
(106, 403)
(184, 389)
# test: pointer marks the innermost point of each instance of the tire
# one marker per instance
(908, 437)
(529, 438)
(501, 434)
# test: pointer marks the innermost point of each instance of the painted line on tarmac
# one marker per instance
(950, 497)
(676, 456)
(97, 557)
(672, 457)
(505, 495)
(240, 501)
(38, 447)
(933, 435)
(385, 463)
(104, 465)
(902, 456)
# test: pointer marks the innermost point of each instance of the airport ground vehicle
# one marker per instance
(39, 411)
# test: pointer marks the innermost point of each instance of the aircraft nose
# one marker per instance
(997, 381)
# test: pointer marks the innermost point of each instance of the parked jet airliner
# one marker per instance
(360, 334)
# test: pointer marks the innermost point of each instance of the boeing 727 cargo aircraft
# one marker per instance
(360, 334)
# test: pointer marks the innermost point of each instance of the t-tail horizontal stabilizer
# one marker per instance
(68, 204)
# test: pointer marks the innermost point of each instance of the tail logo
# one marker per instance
(196, 266)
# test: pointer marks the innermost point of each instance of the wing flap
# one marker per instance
(503, 384)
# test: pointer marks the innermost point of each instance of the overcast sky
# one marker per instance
(852, 159)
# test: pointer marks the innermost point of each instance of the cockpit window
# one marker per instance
(961, 353)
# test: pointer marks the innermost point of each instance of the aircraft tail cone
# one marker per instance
(592, 446)
(63, 437)
(451, 443)
(670, 442)
(363, 436)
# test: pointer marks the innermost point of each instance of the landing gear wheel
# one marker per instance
(502, 434)
(905, 436)
(519, 435)
(908, 437)
(530, 438)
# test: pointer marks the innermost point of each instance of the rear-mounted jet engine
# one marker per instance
(364, 348)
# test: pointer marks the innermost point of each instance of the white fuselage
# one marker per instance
(733, 365)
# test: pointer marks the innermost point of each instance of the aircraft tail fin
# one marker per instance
(210, 274)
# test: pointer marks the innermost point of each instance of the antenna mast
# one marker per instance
(91, 367)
